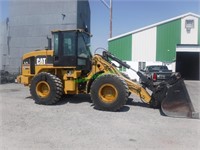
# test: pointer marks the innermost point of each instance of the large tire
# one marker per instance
(109, 92)
(46, 88)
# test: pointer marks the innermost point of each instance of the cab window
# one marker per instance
(69, 44)
(82, 47)
(55, 43)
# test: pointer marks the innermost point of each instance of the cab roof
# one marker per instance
(75, 30)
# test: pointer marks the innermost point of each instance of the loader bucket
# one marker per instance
(177, 102)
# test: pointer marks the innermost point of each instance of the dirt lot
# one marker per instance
(75, 124)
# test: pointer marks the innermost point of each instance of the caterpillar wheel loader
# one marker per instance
(70, 69)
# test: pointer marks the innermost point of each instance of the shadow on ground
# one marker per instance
(140, 104)
(82, 98)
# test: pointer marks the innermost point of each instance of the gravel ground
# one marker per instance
(74, 124)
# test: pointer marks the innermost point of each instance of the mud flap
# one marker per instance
(177, 102)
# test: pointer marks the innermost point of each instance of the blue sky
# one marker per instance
(129, 15)
(3, 9)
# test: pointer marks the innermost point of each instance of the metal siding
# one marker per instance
(190, 37)
(3, 45)
(168, 36)
(121, 47)
(144, 45)
(199, 32)
(30, 22)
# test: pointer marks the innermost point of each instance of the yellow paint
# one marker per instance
(38, 53)
(108, 93)
(24, 80)
(43, 89)
(69, 85)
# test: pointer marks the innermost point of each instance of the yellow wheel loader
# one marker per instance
(70, 69)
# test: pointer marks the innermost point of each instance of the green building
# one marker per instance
(174, 42)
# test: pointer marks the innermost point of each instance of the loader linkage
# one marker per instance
(171, 96)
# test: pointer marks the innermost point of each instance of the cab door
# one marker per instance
(84, 56)
(65, 48)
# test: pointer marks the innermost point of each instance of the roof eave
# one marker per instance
(153, 25)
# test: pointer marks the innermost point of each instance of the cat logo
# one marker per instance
(41, 61)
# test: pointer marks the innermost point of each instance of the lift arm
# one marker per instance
(171, 96)
(103, 64)
(147, 83)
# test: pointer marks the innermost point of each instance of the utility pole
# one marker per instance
(110, 8)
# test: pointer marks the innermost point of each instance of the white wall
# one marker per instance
(192, 36)
(188, 48)
(172, 67)
(2, 37)
(131, 73)
(144, 45)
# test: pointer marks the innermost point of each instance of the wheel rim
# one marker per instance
(108, 93)
(43, 89)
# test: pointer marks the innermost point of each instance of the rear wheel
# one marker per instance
(109, 92)
(46, 88)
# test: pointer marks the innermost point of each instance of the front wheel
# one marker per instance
(109, 92)
(46, 88)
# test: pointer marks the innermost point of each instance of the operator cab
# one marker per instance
(71, 49)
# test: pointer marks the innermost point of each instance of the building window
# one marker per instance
(69, 44)
(189, 24)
